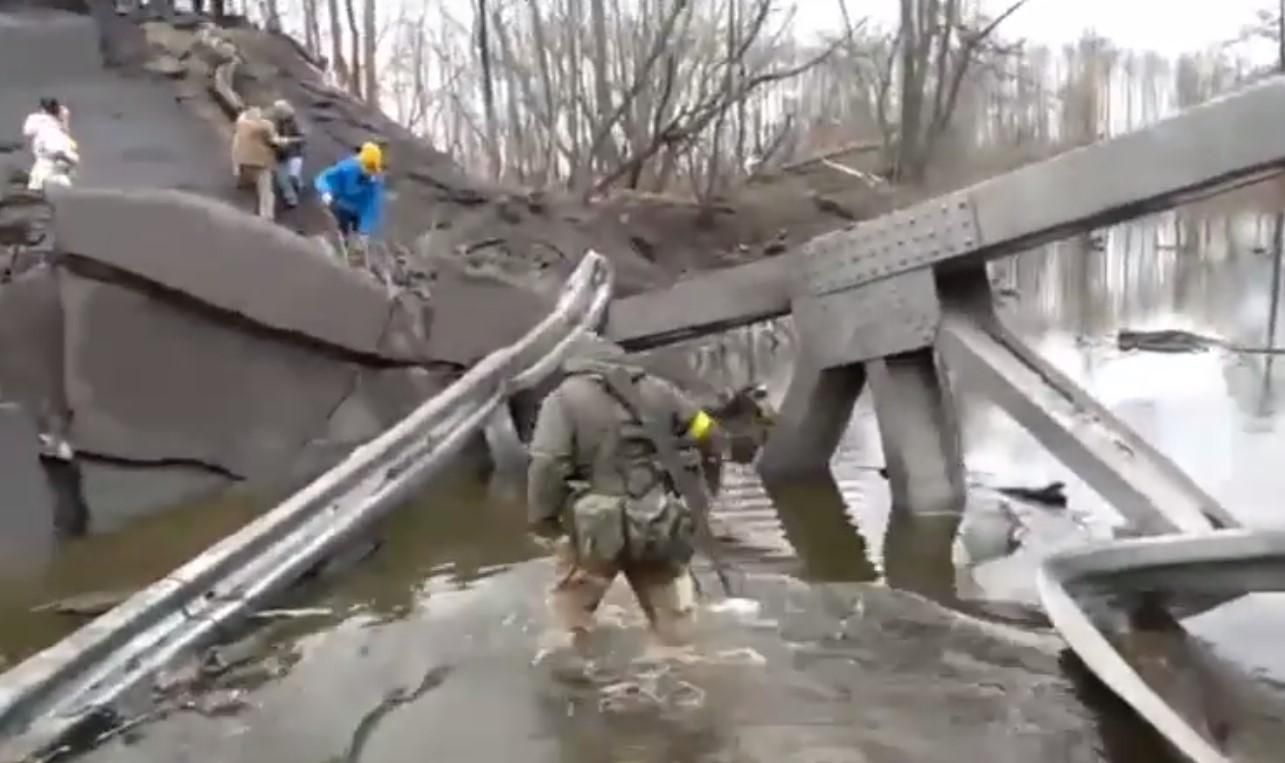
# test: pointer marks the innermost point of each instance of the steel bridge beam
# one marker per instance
(1140, 482)
(1224, 563)
(703, 304)
(816, 409)
(1226, 142)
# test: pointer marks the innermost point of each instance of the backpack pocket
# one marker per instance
(599, 526)
(659, 529)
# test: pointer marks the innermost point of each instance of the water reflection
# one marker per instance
(1215, 413)
(121, 560)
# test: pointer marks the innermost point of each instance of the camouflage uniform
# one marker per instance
(585, 467)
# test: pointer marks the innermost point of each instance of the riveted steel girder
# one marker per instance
(1226, 142)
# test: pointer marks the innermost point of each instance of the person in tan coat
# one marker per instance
(254, 157)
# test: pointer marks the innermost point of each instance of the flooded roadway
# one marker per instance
(427, 649)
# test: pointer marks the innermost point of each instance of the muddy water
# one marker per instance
(112, 564)
(430, 648)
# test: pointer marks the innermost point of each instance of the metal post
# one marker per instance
(815, 412)
(920, 433)
(817, 526)
(917, 554)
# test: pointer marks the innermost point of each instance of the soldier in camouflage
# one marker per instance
(599, 494)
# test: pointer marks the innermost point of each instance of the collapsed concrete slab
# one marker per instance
(218, 255)
(31, 345)
(379, 399)
(463, 331)
(151, 381)
(116, 493)
(26, 514)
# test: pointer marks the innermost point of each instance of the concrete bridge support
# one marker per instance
(816, 410)
(919, 430)
(886, 328)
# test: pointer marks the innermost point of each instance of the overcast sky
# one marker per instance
(1169, 27)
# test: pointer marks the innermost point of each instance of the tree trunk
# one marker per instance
(272, 14)
(371, 38)
(579, 176)
(911, 96)
(608, 154)
(488, 89)
(311, 28)
(354, 47)
(337, 45)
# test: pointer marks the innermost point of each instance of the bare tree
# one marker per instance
(488, 86)
(311, 28)
(370, 41)
(337, 43)
(272, 15)
(354, 43)
(938, 50)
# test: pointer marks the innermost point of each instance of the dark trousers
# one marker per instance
(348, 221)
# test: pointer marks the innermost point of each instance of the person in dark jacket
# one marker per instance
(290, 144)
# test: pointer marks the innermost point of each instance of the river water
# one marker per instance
(844, 644)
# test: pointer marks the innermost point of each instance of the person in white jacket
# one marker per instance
(56, 154)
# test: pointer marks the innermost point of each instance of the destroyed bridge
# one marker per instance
(891, 302)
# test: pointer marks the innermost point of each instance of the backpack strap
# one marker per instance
(688, 485)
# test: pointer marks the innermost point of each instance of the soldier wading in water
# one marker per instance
(601, 492)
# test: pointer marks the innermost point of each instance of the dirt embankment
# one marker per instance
(442, 212)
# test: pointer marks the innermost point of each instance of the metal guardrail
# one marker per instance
(1220, 563)
(48, 696)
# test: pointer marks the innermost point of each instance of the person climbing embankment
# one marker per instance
(48, 133)
(353, 190)
(290, 145)
(254, 157)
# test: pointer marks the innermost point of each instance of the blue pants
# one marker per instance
(348, 221)
(289, 177)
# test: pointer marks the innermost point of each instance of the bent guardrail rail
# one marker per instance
(48, 696)
(1247, 560)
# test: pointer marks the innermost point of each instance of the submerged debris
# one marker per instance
(1167, 340)
(1052, 494)
(90, 604)
(1179, 341)
(292, 614)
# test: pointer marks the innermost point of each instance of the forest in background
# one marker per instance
(691, 97)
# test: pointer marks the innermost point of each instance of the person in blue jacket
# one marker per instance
(353, 190)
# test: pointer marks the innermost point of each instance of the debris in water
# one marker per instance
(291, 614)
(90, 604)
(1052, 494)
(1169, 340)
(741, 656)
(736, 606)
(991, 533)
(219, 659)
(218, 703)
(688, 696)
(169, 680)
(627, 696)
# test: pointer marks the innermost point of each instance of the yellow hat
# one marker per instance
(371, 158)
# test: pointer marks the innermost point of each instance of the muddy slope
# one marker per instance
(652, 240)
